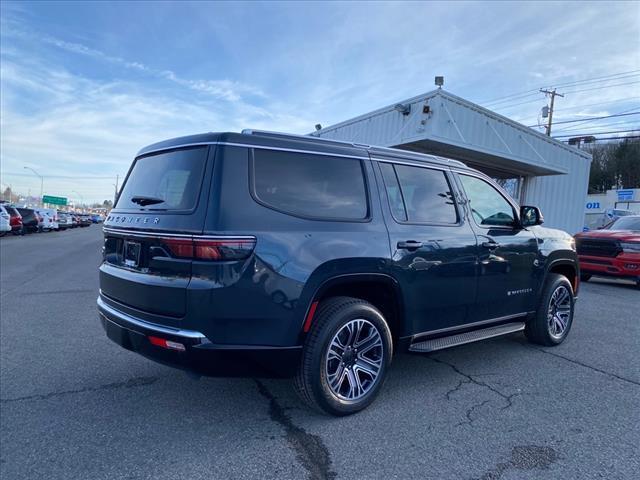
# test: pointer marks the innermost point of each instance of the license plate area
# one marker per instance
(132, 253)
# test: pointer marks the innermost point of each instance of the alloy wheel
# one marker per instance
(354, 359)
(559, 312)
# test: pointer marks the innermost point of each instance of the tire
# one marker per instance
(323, 382)
(557, 300)
(585, 277)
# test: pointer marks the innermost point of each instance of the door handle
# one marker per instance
(409, 245)
(490, 245)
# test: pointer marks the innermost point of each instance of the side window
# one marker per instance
(419, 195)
(310, 185)
(488, 206)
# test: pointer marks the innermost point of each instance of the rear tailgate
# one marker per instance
(162, 205)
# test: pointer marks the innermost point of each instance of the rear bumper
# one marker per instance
(200, 355)
(624, 265)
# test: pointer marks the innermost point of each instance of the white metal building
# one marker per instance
(536, 169)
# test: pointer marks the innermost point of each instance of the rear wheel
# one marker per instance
(345, 357)
(553, 319)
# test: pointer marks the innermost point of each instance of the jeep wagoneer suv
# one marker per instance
(260, 253)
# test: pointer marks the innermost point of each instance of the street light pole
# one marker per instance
(81, 198)
(41, 183)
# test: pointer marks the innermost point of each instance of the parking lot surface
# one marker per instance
(75, 405)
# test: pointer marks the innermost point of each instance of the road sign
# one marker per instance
(625, 195)
(54, 200)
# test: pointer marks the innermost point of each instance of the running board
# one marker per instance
(474, 336)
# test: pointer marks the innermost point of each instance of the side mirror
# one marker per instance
(530, 216)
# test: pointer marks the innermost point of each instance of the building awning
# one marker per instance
(440, 123)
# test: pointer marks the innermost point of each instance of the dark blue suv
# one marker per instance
(260, 253)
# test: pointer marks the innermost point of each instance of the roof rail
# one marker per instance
(249, 131)
(396, 151)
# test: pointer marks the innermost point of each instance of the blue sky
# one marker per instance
(85, 85)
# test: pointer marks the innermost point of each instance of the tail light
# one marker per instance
(217, 249)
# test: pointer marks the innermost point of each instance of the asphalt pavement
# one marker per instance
(73, 405)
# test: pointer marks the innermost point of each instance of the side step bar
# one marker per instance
(454, 340)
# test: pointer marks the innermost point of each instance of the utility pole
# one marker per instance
(553, 94)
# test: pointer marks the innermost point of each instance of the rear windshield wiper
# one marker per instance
(144, 201)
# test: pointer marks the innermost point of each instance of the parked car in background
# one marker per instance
(15, 220)
(85, 220)
(95, 218)
(319, 259)
(613, 251)
(64, 220)
(50, 218)
(29, 220)
(5, 227)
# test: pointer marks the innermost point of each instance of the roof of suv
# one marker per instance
(285, 141)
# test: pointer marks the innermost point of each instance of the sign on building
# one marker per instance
(625, 195)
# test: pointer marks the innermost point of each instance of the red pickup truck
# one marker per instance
(613, 251)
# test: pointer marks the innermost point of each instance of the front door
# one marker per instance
(506, 252)
(433, 248)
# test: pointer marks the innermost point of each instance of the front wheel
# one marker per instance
(345, 358)
(553, 319)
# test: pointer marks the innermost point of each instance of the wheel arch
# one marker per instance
(568, 269)
(379, 289)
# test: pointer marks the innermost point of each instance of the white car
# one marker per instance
(4, 221)
(49, 218)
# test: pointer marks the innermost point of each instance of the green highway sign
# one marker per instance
(54, 200)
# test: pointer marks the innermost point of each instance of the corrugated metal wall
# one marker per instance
(561, 197)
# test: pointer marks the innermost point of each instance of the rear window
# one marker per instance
(315, 186)
(168, 181)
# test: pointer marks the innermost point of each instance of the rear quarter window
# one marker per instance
(173, 178)
(309, 185)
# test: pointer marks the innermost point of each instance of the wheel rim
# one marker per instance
(354, 360)
(559, 313)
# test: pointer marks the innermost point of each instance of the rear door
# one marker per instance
(432, 245)
(506, 252)
(148, 245)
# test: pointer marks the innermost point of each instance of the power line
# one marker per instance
(511, 105)
(578, 107)
(581, 122)
(596, 133)
(628, 137)
(594, 118)
(595, 124)
(567, 84)
(609, 102)
(603, 86)
(504, 107)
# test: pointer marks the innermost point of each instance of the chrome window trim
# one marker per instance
(294, 150)
(147, 234)
(255, 146)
